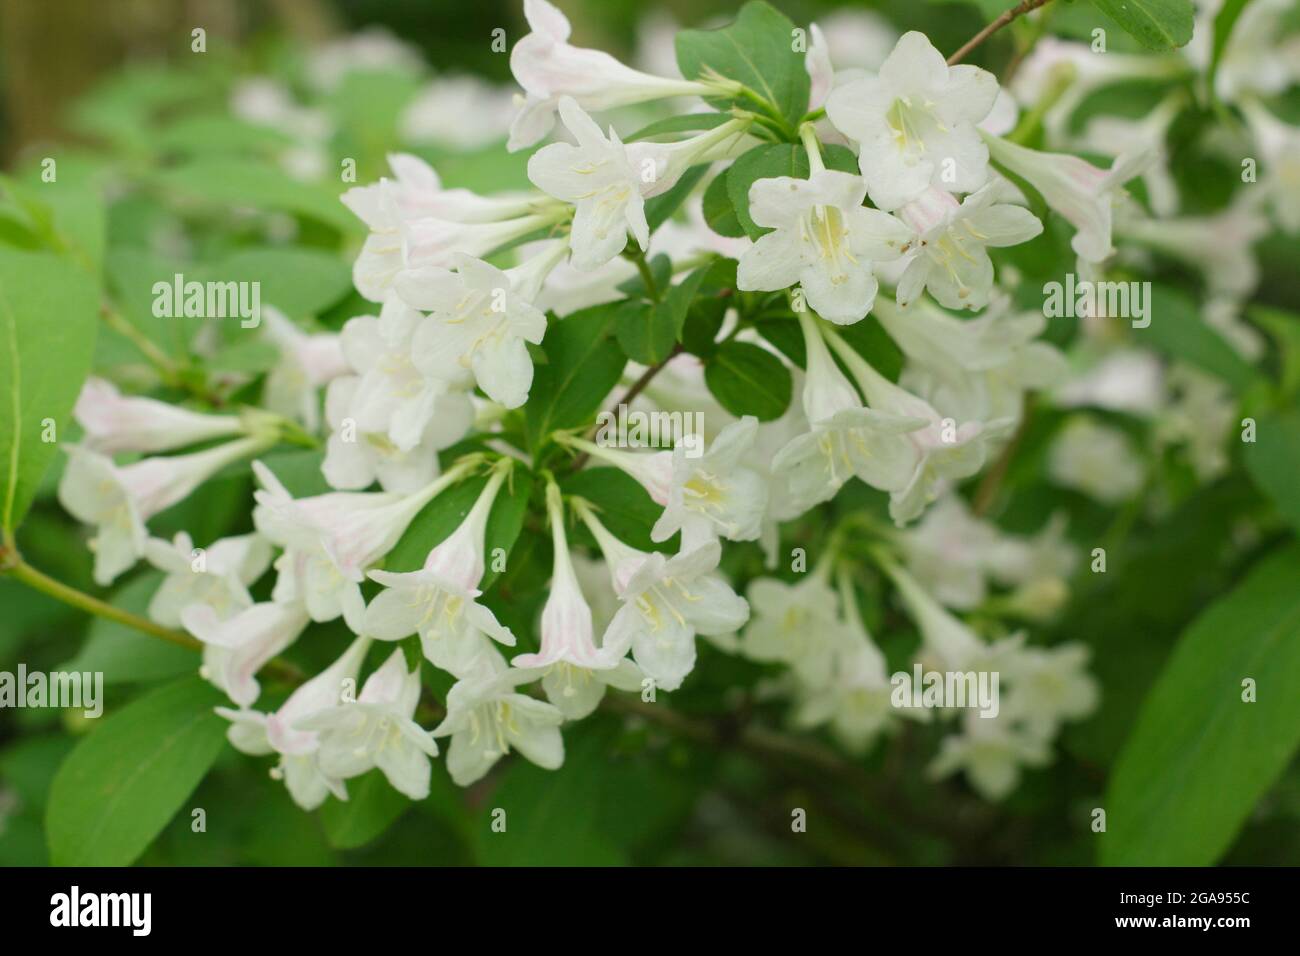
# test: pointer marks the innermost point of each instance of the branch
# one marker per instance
(18, 569)
(1003, 19)
(633, 391)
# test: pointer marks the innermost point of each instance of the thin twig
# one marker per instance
(1003, 19)
(633, 391)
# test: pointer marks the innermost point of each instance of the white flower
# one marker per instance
(549, 69)
(308, 361)
(823, 238)
(945, 640)
(418, 193)
(574, 670)
(1112, 135)
(1049, 686)
(652, 470)
(794, 624)
(119, 500)
(666, 603)
(916, 123)
(975, 368)
(355, 459)
(1075, 188)
(943, 449)
(236, 647)
(396, 243)
(218, 575)
(991, 752)
(462, 113)
(331, 539)
(713, 494)
(438, 602)
(1220, 246)
(377, 730)
(846, 439)
(114, 423)
(1127, 380)
(299, 749)
(1201, 413)
(856, 699)
(393, 397)
(486, 718)
(1097, 460)
(482, 319)
(951, 259)
(608, 182)
(950, 551)
(1280, 144)
(821, 73)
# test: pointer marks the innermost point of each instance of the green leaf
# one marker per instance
(49, 313)
(624, 506)
(122, 783)
(645, 331)
(1224, 21)
(1178, 330)
(298, 282)
(1157, 24)
(1200, 757)
(762, 162)
(758, 51)
(660, 209)
(1273, 461)
(748, 380)
(123, 654)
(584, 364)
(371, 808)
(444, 514)
(719, 213)
(222, 182)
(542, 827)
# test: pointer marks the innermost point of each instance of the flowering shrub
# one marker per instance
(921, 384)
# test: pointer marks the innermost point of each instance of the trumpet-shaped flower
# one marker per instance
(550, 69)
(846, 439)
(823, 238)
(608, 182)
(855, 701)
(438, 602)
(236, 647)
(666, 602)
(574, 670)
(308, 361)
(714, 494)
(1078, 190)
(217, 576)
(795, 624)
(355, 459)
(487, 718)
(418, 193)
(916, 121)
(951, 259)
(299, 749)
(942, 450)
(393, 397)
(330, 540)
(119, 500)
(377, 730)
(114, 422)
(1097, 460)
(991, 753)
(481, 323)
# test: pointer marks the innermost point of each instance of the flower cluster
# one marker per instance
(812, 273)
